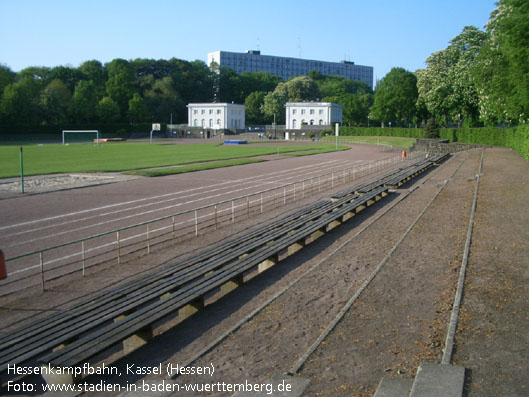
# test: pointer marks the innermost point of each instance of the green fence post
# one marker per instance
(21, 171)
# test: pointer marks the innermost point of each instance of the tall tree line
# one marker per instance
(135, 91)
(146, 90)
(480, 78)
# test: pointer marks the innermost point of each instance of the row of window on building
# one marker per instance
(232, 116)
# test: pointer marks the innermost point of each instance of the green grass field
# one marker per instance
(404, 143)
(113, 157)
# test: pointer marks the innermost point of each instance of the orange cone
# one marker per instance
(403, 154)
(3, 269)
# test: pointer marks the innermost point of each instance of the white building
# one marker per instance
(312, 113)
(216, 116)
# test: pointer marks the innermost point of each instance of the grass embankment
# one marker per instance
(191, 168)
(401, 142)
(115, 157)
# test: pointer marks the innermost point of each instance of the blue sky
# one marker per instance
(378, 33)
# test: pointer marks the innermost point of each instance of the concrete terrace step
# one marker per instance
(434, 380)
(390, 387)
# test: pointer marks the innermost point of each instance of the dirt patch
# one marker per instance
(492, 339)
(50, 183)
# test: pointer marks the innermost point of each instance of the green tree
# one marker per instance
(228, 86)
(107, 110)
(68, 75)
(274, 104)
(138, 111)
(431, 130)
(258, 81)
(121, 83)
(302, 88)
(254, 103)
(501, 73)
(19, 104)
(356, 107)
(54, 102)
(162, 99)
(93, 70)
(62, 91)
(38, 73)
(84, 101)
(336, 85)
(7, 76)
(395, 98)
(446, 86)
(297, 89)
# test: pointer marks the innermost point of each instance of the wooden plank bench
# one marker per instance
(41, 336)
(45, 335)
(111, 334)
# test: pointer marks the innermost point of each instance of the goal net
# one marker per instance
(75, 136)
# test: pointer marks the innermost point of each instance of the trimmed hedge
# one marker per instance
(378, 131)
(514, 138)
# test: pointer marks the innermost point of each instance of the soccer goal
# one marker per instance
(87, 135)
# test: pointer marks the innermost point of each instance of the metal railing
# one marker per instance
(79, 255)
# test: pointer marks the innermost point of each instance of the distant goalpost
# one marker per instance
(65, 132)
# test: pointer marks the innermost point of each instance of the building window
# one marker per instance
(312, 122)
(321, 111)
(210, 111)
(195, 123)
(210, 123)
(321, 122)
(218, 122)
(218, 111)
(294, 111)
(311, 111)
(203, 123)
(302, 111)
(203, 111)
(294, 123)
(195, 111)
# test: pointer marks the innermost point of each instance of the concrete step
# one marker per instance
(434, 380)
(390, 387)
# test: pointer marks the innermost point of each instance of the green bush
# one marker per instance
(431, 131)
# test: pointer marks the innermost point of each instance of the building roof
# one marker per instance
(312, 104)
(213, 104)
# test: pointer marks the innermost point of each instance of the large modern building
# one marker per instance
(299, 114)
(253, 61)
(217, 116)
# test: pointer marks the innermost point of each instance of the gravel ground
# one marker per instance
(400, 320)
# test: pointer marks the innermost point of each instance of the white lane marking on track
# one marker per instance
(127, 217)
(154, 197)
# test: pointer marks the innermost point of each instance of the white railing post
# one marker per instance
(118, 247)
(42, 271)
(83, 256)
